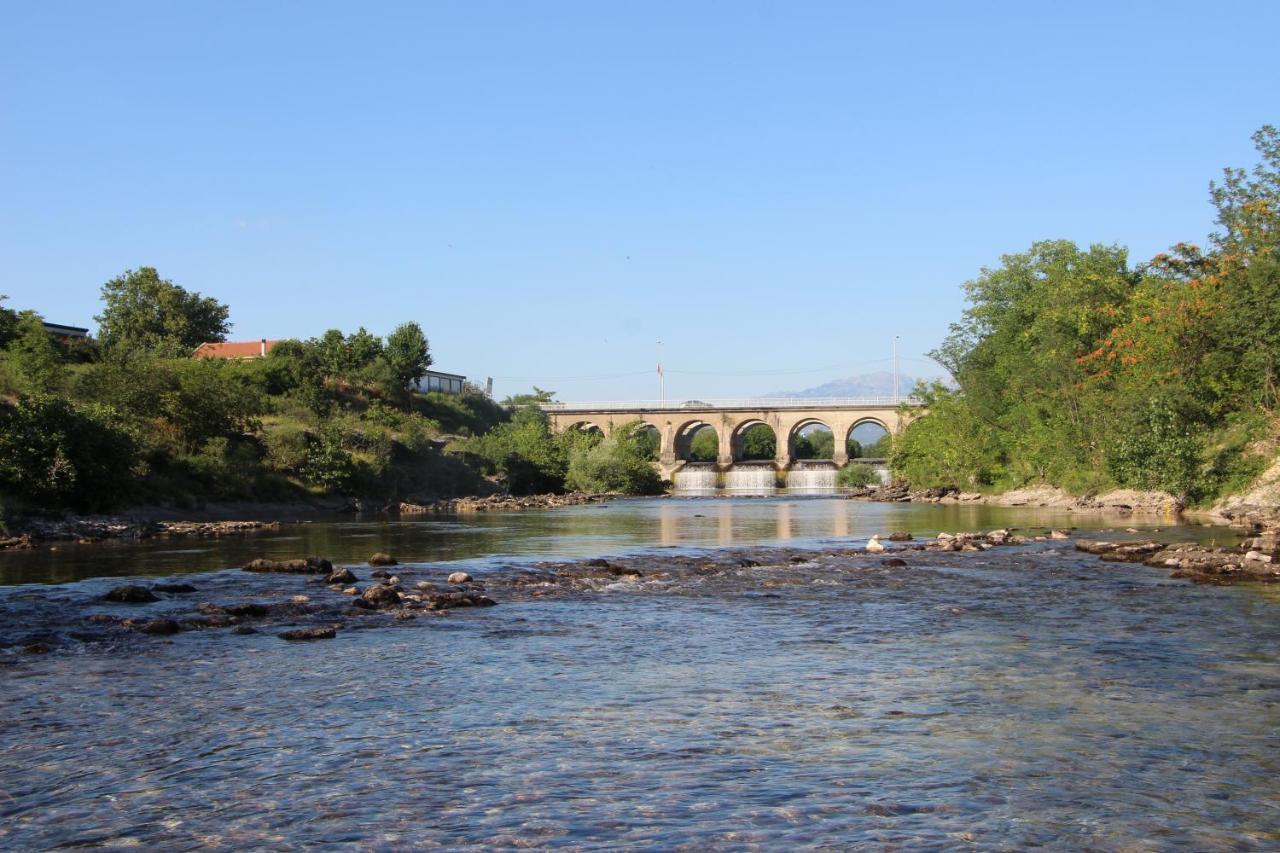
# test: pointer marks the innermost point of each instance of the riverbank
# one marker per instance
(28, 530)
(1254, 509)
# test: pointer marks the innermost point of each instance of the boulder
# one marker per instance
(451, 600)
(381, 559)
(900, 536)
(874, 546)
(894, 562)
(131, 594)
(381, 595)
(341, 575)
(460, 577)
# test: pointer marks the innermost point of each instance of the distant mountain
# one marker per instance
(878, 384)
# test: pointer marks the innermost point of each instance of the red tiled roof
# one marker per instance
(234, 349)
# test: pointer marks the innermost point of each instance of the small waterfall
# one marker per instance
(751, 478)
(885, 476)
(812, 477)
(695, 480)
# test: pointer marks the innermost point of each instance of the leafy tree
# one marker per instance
(144, 311)
(757, 442)
(8, 323)
(55, 454)
(407, 354)
(704, 446)
(817, 444)
(34, 356)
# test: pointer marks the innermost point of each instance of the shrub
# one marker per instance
(856, 475)
(619, 463)
(56, 454)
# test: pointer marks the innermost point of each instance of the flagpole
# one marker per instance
(895, 369)
(662, 380)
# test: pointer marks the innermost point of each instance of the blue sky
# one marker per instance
(773, 189)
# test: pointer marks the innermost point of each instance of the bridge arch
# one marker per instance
(683, 440)
(868, 437)
(750, 443)
(811, 438)
(587, 426)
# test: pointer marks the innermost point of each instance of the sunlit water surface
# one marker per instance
(1000, 700)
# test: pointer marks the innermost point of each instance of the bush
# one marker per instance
(328, 464)
(619, 463)
(856, 475)
(53, 453)
(288, 448)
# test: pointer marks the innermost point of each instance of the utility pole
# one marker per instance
(895, 368)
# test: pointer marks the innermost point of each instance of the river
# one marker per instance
(1005, 699)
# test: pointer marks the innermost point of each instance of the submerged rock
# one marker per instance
(382, 559)
(309, 566)
(173, 588)
(900, 536)
(309, 634)
(159, 627)
(131, 594)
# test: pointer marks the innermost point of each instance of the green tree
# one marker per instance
(617, 464)
(34, 356)
(56, 454)
(704, 446)
(8, 323)
(407, 354)
(144, 311)
(757, 442)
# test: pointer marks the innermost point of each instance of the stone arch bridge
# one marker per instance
(677, 422)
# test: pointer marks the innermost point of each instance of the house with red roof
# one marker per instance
(235, 349)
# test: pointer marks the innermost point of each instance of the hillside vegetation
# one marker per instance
(131, 418)
(1075, 368)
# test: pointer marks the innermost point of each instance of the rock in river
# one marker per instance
(173, 588)
(341, 575)
(309, 566)
(381, 559)
(382, 595)
(159, 627)
(132, 594)
(309, 634)
(460, 577)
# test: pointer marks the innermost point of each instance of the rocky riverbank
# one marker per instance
(498, 503)
(28, 531)
(1120, 501)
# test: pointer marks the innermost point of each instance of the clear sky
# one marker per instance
(774, 189)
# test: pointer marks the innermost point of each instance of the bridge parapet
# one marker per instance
(753, 404)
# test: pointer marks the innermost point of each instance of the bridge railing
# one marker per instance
(746, 403)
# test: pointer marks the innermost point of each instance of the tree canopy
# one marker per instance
(145, 312)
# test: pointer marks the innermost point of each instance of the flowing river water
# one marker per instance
(753, 687)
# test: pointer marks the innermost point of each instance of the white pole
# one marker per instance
(662, 380)
(895, 368)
